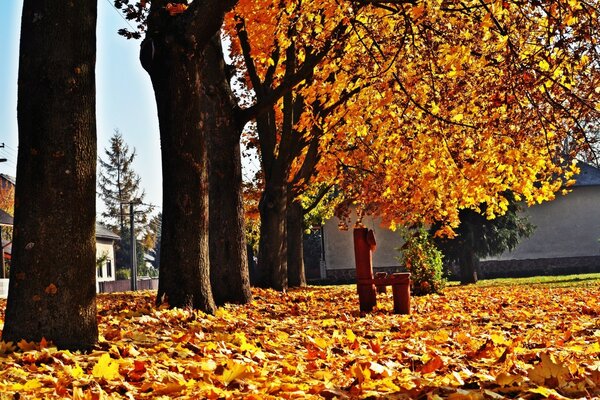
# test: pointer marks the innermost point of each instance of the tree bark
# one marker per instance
(181, 67)
(295, 245)
(228, 255)
(272, 248)
(469, 264)
(52, 279)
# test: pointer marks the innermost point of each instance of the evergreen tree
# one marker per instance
(477, 236)
(119, 185)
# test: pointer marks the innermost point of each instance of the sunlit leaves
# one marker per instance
(497, 342)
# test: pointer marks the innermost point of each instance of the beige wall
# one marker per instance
(339, 246)
(569, 226)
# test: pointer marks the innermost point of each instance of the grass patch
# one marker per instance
(579, 280)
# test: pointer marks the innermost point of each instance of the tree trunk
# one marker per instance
(228, 257)
(295, 245)
(52, 287)
(181, 71)
(468, 267)
(272, 247)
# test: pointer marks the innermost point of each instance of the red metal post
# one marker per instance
(363, 243)
(401, 292)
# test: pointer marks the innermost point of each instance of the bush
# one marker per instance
(123, 273)
(423, 260)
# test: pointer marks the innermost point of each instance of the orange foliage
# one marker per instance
(455, 103)
(471, 343)
(7, 200)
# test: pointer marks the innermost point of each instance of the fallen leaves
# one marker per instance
(471, 343)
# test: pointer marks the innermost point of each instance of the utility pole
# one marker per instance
(133, 248)
(1, 241)
(132, 243)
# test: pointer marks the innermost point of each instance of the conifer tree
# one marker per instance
(118, 186)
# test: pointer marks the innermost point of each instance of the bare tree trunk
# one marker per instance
(295, 245)
(228, 257)
(52, 287)
(272, 251)
(180, 71)
(469, 264)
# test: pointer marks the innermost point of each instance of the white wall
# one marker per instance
(339, 245)
(3, 288)
(568, 226)
(105, 248)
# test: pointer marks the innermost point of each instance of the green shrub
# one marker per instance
(123, 273)
(423, 260)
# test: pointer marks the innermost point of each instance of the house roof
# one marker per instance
(588, 175)
(5, 218)
(9, 178)
(101, 231)
(105, 233)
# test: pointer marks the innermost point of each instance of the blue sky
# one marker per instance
(124, 96)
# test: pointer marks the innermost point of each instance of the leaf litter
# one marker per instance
(313, 343)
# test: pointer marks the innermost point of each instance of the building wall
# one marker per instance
(569, 226)
(339, 248)
(3, 288)
(105, 272)
(565, 241)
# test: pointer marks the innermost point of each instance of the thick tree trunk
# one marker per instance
(52, 279)
(228, 258)
(272, 247)
(295, 245)
(181, 74)
(469, 265)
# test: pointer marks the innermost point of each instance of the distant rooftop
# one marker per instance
(105, 233)
(9, 178)
(589, 175)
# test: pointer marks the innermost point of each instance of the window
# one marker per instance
(99, 271)
(109, 268)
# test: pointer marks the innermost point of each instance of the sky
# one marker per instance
(124, 96)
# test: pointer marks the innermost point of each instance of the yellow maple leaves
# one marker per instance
(106, 368)
(472, 342)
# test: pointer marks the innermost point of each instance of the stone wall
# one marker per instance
(543, 266)
(498, 268)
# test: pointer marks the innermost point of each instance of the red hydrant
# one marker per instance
(364, 244)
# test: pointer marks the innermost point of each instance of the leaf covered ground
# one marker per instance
(474, 342)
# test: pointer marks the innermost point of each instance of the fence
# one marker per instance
(124, 285)
(103, 287)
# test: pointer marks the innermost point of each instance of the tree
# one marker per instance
(7, 204)
(441, 135)
(119, 185)
(280, 54)
(477, 236)
(481, 101)
(182, 54)
(52, 279)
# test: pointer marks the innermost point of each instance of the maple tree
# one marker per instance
(482, 98)
(515, 341)
(422, 108)
(52, 277)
